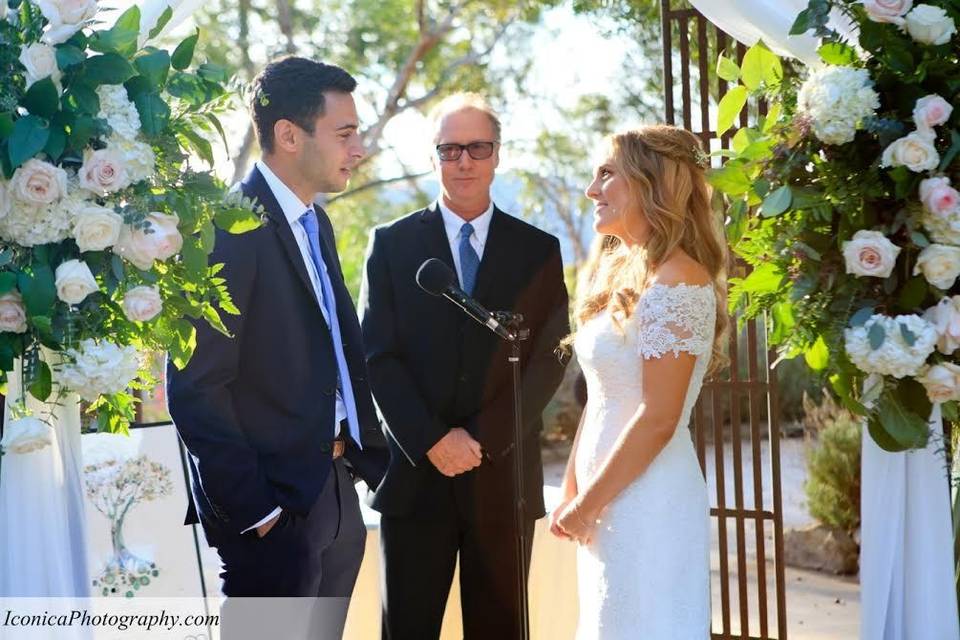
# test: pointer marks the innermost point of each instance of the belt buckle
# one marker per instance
(338, 447)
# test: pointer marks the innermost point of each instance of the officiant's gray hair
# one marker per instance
(459, 102)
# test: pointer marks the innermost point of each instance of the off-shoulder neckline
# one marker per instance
(679, 285)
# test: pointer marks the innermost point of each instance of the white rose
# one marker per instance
(103, 172)
(40, 61)
(96, 228)
(25, 435)
(931, 111)
(870, 253)
(74, 281)
(13, 315)
(928, 24)
(142, 303)
(945, 317)
(914, 151)
(140, 248)
(942, 382)
(891, 11)
(938, 197)
(38, 183)
(65, 17)
(939, 264)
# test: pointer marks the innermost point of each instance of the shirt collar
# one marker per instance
(452, 222)
(289, 202)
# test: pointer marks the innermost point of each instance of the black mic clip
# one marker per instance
(513, 322)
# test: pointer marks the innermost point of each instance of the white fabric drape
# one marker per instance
(906, 551)
(43, 542)
(769, 20)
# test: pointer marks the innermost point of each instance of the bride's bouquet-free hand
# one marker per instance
(108, 205)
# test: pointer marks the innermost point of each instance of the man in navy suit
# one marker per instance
(278, 418)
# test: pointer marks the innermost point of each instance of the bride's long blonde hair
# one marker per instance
(664, 170)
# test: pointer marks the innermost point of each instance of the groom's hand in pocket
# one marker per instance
(456, 453)
(264, 529)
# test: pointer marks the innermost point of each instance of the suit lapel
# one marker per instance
(256, 186)
(435, 241)
(495, 254)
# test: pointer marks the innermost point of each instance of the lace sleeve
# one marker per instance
(676, 318)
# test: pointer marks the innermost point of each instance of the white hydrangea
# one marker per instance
(118, 111)
(139, 159)
(895, 357)
(98, 368)
(837, 100)
(29, 225)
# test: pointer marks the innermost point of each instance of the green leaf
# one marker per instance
(39, 290)
(199, 144)
(161, 23)
(29, 137)
(771, 118)
(56, 143)
(194, 257)
(8, 280)
(861, 316)
(913, 293)
(154, 113)
(121, 37)
(727, 69)
(901, 417)
(919, 239)
(214, 73)
(84, 128)
(817, 356)
(219, 127)
(42, 98)
(41, 383)
(760, 66)
(68, 56)
(801, 24)
(154, 65)
(83, 98)
(877, 335)
(908, 336)
(6, 125)
(777, 202)
(184, 343)
(236, 220)
(183, 54)
(736, 223)
(730, 178)
(729, 108)
(766, 278)
(837, 53)
(109, 68)
(952, 151)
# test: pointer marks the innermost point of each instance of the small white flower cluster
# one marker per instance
(118, 111)
(895, 356)
(837, 100)
(99, 368)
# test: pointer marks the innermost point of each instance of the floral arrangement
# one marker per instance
(842, 198)
(106, 212)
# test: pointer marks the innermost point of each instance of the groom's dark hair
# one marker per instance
(292, 88)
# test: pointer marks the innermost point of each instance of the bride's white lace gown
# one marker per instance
(646, 574)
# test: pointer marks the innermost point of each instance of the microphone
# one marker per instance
(437, 279)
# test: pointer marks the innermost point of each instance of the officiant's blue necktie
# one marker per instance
(469, 260)
(309, 222)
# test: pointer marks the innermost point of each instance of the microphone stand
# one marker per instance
(513, 322)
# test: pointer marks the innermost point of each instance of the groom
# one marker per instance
(278, 418)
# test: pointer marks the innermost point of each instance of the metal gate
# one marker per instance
(737, 409)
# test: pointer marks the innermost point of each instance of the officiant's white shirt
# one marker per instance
(452, 222)
(292, 209)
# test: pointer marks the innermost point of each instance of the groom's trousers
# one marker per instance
(316, 555)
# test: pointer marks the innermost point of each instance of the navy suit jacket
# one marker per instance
(256, 412)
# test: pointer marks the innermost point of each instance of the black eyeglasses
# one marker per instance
(477, 150)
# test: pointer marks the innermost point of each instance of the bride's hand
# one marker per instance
(555, 521)
(577, 522)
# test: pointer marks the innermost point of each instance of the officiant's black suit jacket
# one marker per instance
(256, 411)
(432, 368)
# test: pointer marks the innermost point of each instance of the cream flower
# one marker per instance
(890, 11)
(74, 281)
(96, 228)
(40, 61)
(939, 264)
(38, 183)
(65, 17)
(870, 253)
(942, 382)
(945, 317)
(13, 315)
(914, 151)
(103, 172)
(142, 303)
(928, 24)
(141, 248)
(931, 111)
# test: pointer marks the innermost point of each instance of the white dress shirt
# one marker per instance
(452, 222)
(293, 208)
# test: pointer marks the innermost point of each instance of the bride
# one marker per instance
(651, 319)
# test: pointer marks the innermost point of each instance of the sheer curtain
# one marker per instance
(906, 552)
(43, 542)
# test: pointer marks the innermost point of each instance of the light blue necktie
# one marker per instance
(469, 260)
(309, 222)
